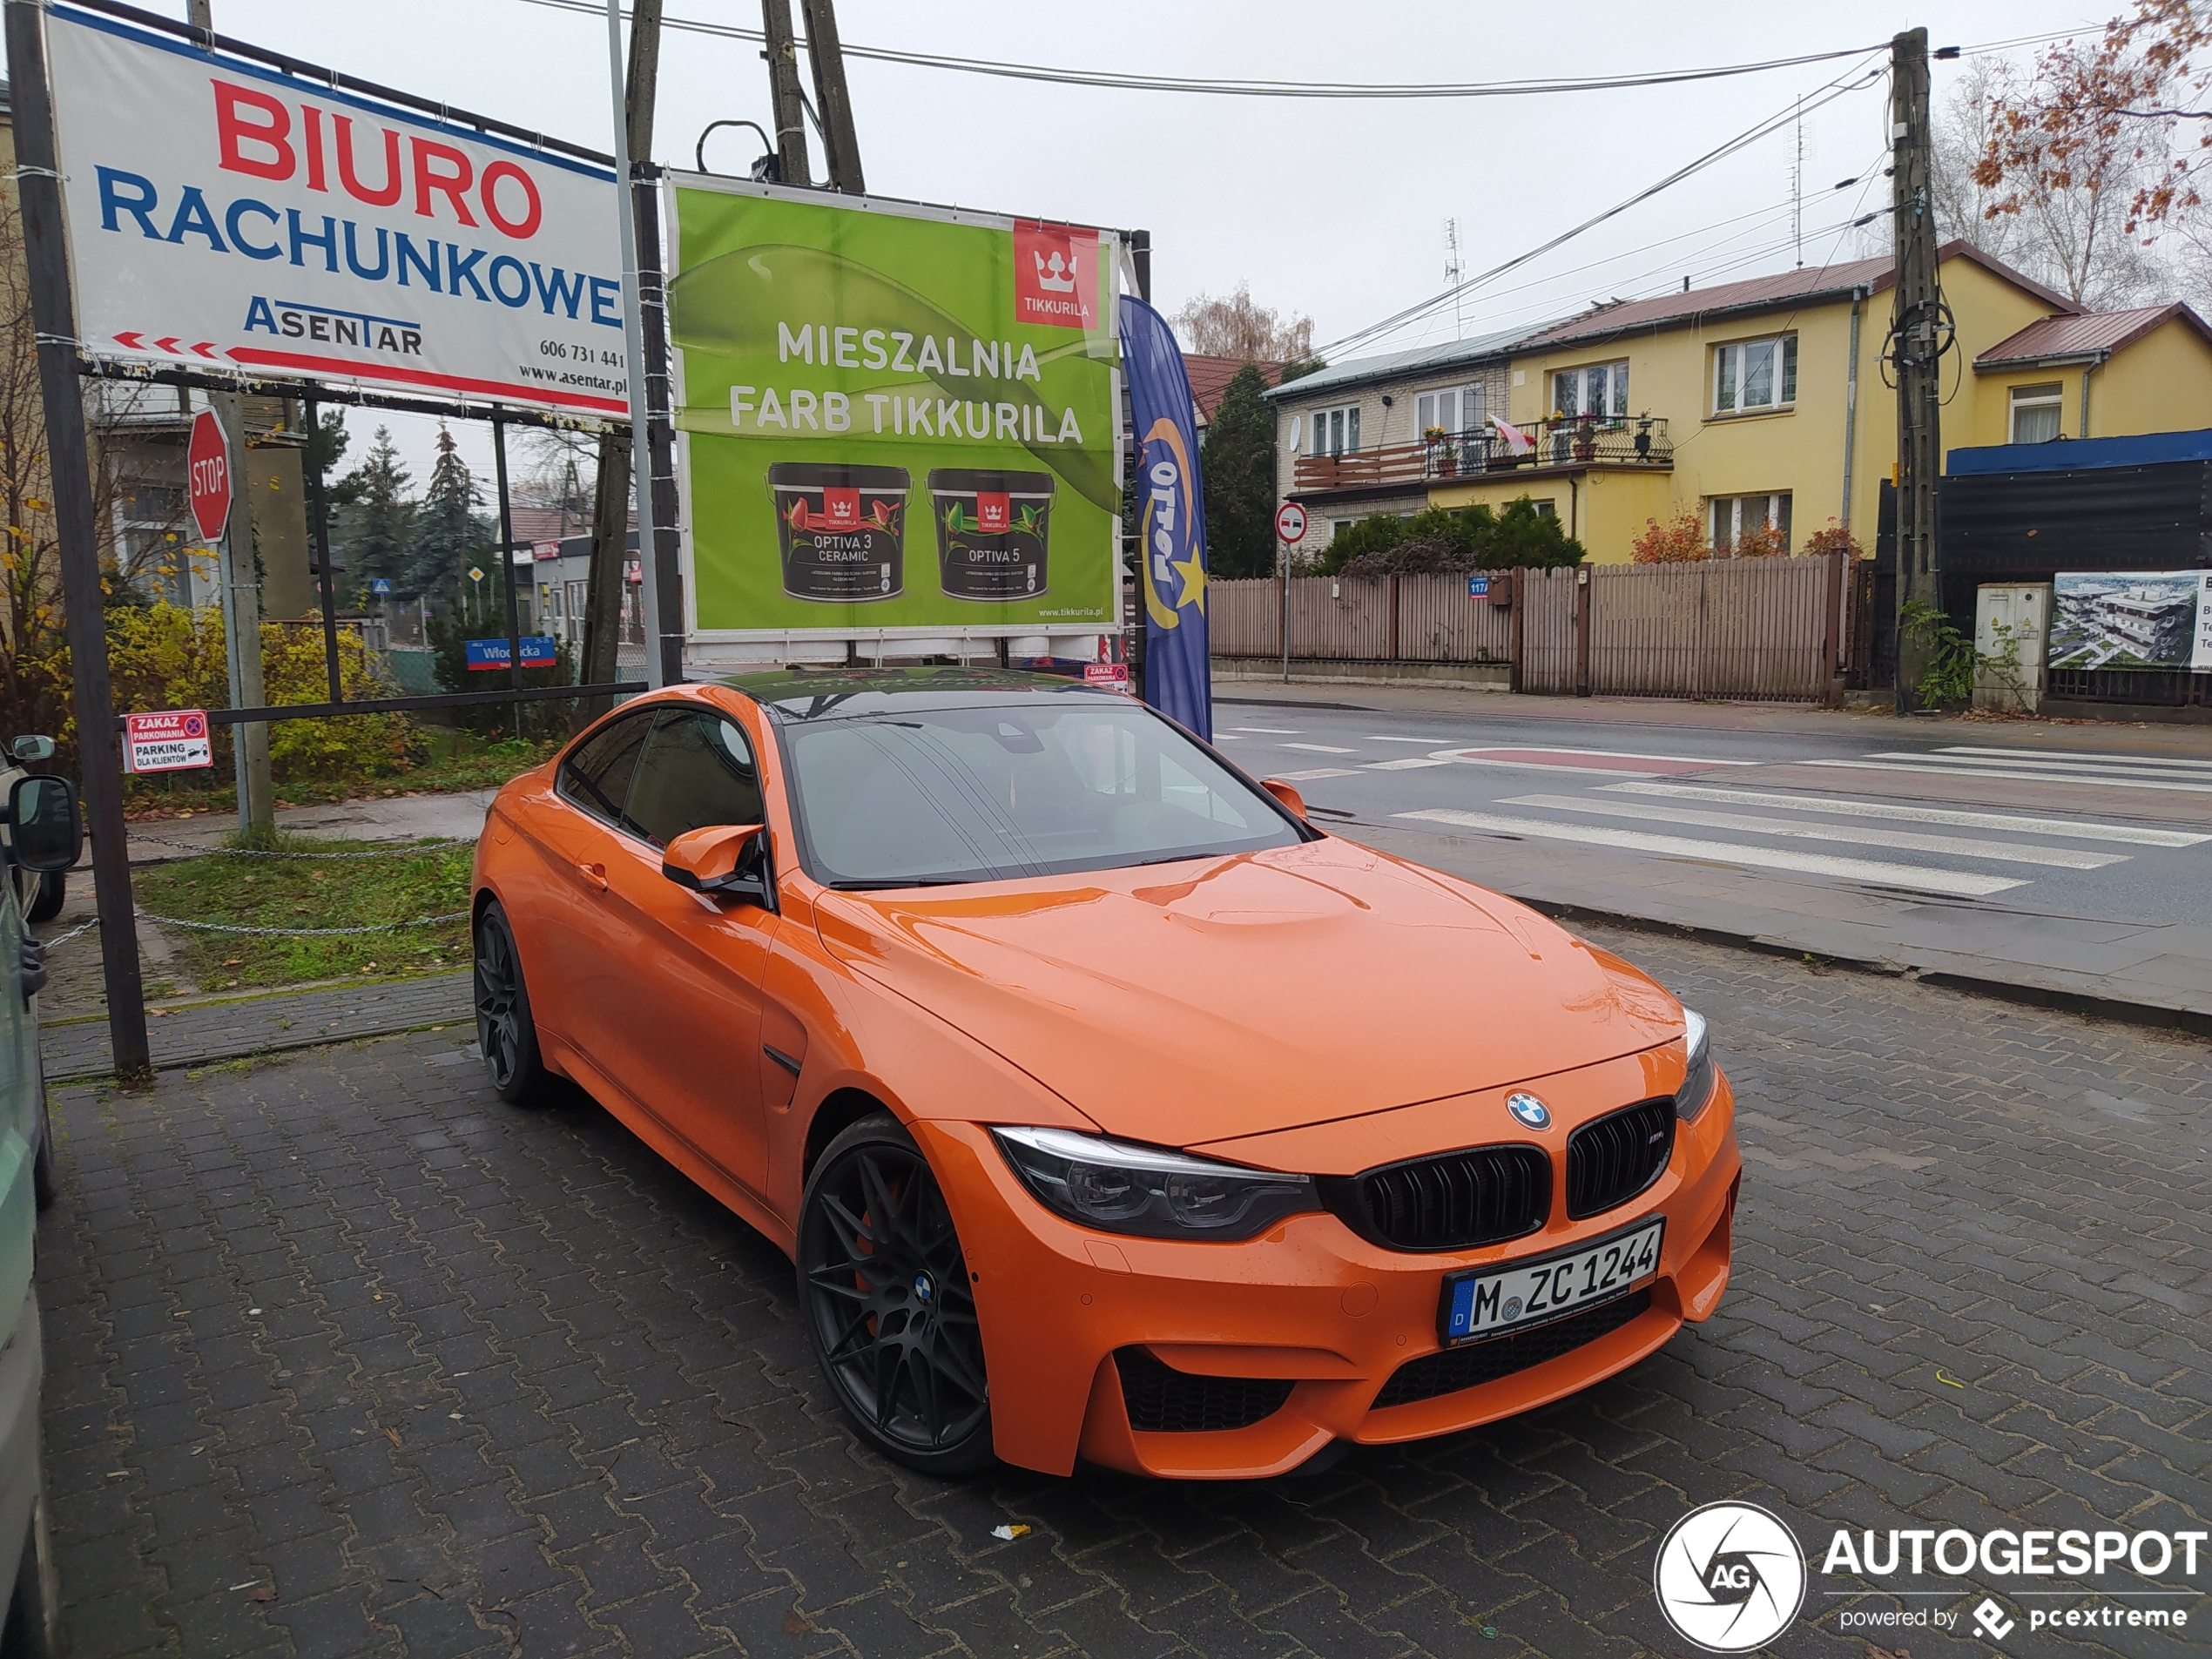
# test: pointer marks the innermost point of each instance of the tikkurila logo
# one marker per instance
(1055, 274)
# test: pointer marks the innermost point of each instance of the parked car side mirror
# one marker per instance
(32, 749)
(727, 860)
(1285, 793)
(47, 832)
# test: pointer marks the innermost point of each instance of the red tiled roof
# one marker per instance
(2086, 334)
(551, 525)
(1210, 378)
(1761, 292)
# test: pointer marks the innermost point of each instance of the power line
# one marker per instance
(1825, 96)
(1239, 86)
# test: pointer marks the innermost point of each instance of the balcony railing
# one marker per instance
(1577, 441)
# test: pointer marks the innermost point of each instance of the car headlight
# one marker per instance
(1697, 1083)
(1127, 1189)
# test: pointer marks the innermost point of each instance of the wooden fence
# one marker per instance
(1766, 628)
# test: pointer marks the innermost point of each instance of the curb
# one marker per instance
(193, 1062)
(2151, 1015)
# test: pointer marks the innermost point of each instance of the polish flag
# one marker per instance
(1519, 441)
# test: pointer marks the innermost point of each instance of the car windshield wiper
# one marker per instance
(909, 881)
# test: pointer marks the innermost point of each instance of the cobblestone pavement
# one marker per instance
(346, 1357)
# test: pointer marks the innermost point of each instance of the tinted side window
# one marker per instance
(698, 771)
(595, 776)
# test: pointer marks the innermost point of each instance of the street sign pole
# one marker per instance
(633, 334)
(46, 267)
(1290, 530)
(242, 628)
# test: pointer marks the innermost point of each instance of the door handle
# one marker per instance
(594, 874)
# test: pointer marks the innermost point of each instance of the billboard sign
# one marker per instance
(224, 216)
(895, 420)
(2132, 619)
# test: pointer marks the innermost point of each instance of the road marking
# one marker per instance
(1768, 858)
(2078, 829)
(1271, 731)
(2077, 755)
(1308, 777)
(2064, 858)
(1378, 737)
(1587, 760)
(2014, 777)
(1317, 748)
(1226, 737)
(1408, 765)
(2057, 768)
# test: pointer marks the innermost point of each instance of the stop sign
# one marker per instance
(207, 466)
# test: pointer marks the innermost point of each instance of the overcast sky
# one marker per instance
(1335, 209)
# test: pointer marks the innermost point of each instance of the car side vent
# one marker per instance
(1163, 1401)
(1454, 1201)
(1436, 1374)
(1611, 1159)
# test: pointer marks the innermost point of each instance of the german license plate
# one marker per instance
(1488, 1303)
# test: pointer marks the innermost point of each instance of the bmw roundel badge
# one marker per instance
(1529, 1110)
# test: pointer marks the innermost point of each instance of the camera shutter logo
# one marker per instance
(1729, 1577)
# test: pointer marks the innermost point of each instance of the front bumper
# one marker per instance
(1309, 1302)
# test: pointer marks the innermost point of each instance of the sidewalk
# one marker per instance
(201, 1032)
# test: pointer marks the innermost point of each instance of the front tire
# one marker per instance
(506, 1034)
(885, 1296)
(41, 893)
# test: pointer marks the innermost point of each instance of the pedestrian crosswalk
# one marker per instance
(2036, 766)
(1691, 808)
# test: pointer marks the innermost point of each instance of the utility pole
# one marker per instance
(69, 466)
(237, 574)
(610, 502)
(840, 144)
(783, 86)
(1919, 334)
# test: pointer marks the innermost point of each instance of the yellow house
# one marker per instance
(2105, 374)
(1762, 403)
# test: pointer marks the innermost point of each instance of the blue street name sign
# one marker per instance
(538, 653)
(1478, 587)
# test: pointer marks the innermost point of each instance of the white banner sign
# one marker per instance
(222, 215)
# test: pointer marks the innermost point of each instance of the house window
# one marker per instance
(1596, 388)
(1547, 508)
(2035, 414)
(1762, 517)
(1754, 374)
(1457, 411)
(1334, 431)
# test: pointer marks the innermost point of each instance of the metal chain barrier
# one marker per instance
(256, 852)
(269, 932)
(63, 939)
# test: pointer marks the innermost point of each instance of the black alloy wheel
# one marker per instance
(505, 1032)
(886, 1298)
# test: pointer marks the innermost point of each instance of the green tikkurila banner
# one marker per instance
(893, 418)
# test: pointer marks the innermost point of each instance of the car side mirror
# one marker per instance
(29, 749)
(1286, 794)
(46, 831)
(727, 861)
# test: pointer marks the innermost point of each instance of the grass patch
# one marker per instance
(456, 760)
(424, 878)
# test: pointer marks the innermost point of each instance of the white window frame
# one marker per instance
(1740, 512)
(1613, 376)
(1726, 387)
(1325, 436)
(2049, 395)
(1466, 404)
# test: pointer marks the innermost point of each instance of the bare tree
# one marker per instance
(1235, 327)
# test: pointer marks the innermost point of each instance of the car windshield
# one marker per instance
(930, 796)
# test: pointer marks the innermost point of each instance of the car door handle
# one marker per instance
(595, 874)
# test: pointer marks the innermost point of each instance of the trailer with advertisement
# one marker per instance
(898, 428)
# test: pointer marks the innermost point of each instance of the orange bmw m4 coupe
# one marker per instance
(1107, 1108)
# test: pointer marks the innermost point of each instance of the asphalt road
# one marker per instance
(343, 1357)
(2060, 821)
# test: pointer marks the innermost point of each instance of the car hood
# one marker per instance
(1206, 1000)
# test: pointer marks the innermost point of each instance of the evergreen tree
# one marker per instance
(380, 517)
(449, 535)
(1239, 473)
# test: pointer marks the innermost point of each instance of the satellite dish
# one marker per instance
(1296, 422)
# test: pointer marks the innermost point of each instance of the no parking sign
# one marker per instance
(169, 740)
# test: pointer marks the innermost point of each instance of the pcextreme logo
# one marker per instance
(1729, 1577)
